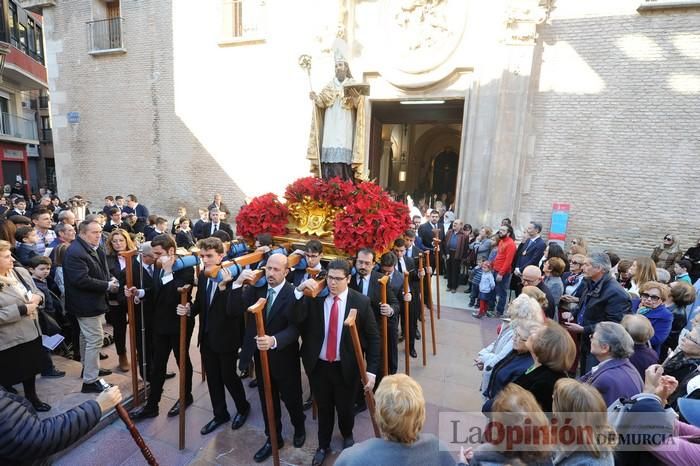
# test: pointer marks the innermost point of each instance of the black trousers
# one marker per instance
(145, 355)
(285, 385)
(333, 395)
(453, 269)
(116, 317)
(393, 342)
(162, 346)
(221, 374)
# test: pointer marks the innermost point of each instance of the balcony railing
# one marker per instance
(45, 135)
(106, 35)
(18, 127)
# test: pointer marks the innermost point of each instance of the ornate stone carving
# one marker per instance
(522, 18)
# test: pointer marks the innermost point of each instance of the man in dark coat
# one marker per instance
(604, 300)
(529, 252)
(281, 341)
(87, 282)
(215, 224)
(532, 276)
(455, 248)
(166, 331)
(328, 354)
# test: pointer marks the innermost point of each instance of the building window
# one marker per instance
(22, 38)
(243, 21)
(39, 38)
(4, 112)
(14, 34)
(31, 41)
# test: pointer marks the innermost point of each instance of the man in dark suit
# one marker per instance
(115, 221)
(215, 224)
(219, 338)
(412, 250)
(529, 252)
(281, 341)
(425, 231)
(328, 354)
(166, 331)
(404, 263)
(141, 212)
(143, 298)
(312, 252)
(87, 282)
(366, 282)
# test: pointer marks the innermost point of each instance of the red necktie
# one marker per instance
(332, 338)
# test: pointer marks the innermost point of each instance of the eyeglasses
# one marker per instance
(528, 281)
(668, 238)
(575, 263)
(574, 242)
(331, 278)
(687, 335)
(651, 297)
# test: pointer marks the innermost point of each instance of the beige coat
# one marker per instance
(16, 329)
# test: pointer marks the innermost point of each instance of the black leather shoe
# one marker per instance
(169, 375)
(53, 373)
(319, 456)
(413, 353)
(308, 404)
(348, 442)
(95, 387)
(40, 406)
(144, 412)
(266, 450)
(239, 419)
(253, 383)
(212, 425)
(244, 374)
(299, 439)
(175, 410)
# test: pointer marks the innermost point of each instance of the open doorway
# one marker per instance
(414, 149)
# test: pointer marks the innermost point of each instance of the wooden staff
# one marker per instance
(128, 258)
(256, 275)
(257, 310)
(195, 252)
(369, 395)
(406, 328)
(436, 245)
(242, 261)
(136, 435)
(320, 284)
(183, 356)
(422, 309)
(385, 328)
(430, 307)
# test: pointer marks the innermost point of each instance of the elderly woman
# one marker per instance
(643, 270)
(119, 241)
(641, 331)
(400, 414)
(482, 244)
(514, 364)
(680, 304)
(667, 253)
(596, 449)
(21, 352)
(553, 270)
(572, 281)
(514, 407)
(652, 296)
(553, 351)
(538, 295)
(523, 307)
(614, 377)
(684, 363)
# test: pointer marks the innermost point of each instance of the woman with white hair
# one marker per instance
(400, 414)
(521, 308)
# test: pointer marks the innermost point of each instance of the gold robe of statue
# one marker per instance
(331, 93)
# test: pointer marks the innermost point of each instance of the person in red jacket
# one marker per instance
(502, 266)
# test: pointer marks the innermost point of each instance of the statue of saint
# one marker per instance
(337, 138)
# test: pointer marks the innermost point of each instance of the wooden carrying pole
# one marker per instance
(131, 315)
(183, 359)
(369, 395)
(406, 323)
(436, 245)
(422, 309)
(136, 435)
(257, 311)
(248, 259)
(195, 252)
(430, 307)
(385, 328)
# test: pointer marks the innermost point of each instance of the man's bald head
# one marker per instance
(531, 276)
(276, 269)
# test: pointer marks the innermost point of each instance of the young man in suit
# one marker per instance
(140, 210)
(412, 250)
(312, 251)
(529, 252)
(404, 263)
(143, 276)
(328, 354)
(215, 224)
(166, 331)
(281, 341)
(219, 338)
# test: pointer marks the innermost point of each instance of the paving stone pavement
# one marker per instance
(450, 382)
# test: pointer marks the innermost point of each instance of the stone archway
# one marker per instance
(432, 142)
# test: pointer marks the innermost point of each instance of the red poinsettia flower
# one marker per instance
(264, 214)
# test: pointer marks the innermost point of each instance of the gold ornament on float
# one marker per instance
(312, 217)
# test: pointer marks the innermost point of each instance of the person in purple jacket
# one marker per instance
(652, 296)
(614, 377)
